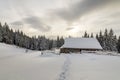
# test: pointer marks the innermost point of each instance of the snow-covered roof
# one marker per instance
(83, 43)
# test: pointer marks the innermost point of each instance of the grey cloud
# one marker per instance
(115, 15)
(76, 10)
(17, 23)
(37, 23)
(68, 29)
(34, 22)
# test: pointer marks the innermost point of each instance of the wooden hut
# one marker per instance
(78, 44)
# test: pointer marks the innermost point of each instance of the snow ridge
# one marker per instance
(65, 69)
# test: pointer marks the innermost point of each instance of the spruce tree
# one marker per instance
(105, 40)
(118, 44)
(112, 41)
(54, 44)
(61, 41)
(97, 37)
(1, 37)
(101, 39)
(58, 41)
(86, 35)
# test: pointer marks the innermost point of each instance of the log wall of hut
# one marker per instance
(71, 50)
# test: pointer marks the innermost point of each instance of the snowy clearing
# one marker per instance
(15, 64)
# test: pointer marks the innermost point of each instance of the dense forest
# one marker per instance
(18, 38)
(108, 40)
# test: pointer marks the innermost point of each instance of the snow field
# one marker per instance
(28, 66)
(94, 67)
(15, 64)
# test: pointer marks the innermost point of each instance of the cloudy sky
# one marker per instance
(61, 17)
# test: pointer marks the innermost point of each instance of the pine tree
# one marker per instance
(97, 37)
(1, 37)
(32, 43)
(26, 42)
(44, 43)
(54, 45)
(112, 41)
(11, 37)
(118, 45)
(86, 35)
(91, 35)
(105, 39)
(61, 41)
(50, 44)
(39, 42)
(58, 41)
(6, 33)
(115, 43)
(101, 39)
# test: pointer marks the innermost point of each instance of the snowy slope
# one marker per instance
(9, 51)
(15, 64)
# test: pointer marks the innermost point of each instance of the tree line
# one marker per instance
(20, 39)
(107, 39)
